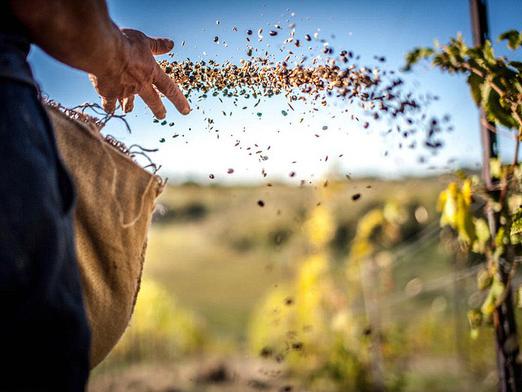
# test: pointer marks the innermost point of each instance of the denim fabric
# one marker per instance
(14, 47)
(44, 335)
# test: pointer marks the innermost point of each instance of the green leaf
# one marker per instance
(416, 55)
(493, 106)
(474, 318)
(483, 235)
(484, 279)
(495, 167)
(475, 83)
(489, 54)
(516, 226)
(513, 37)
(495, 293)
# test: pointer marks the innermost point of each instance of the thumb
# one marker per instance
(160, 45)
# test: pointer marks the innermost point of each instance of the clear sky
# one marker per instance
(383, 27)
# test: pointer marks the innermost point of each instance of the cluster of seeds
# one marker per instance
(310, 71)
(376, 92)
(260, 78)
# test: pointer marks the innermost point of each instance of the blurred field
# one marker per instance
(216, 253)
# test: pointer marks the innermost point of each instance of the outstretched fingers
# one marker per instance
(108, 104)
(160, 45)
(153, 101)
(171, 90)
(128, 104)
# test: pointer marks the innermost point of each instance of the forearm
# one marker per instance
(79, 33)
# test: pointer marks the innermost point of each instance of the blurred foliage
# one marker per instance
(310, 324)
(495, 82)
(289, 297)
(496, 87)
(160, 328)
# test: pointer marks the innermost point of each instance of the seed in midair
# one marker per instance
(356, 196)
(230, 171)
(260, 203)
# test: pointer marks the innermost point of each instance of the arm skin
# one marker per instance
(80, 33)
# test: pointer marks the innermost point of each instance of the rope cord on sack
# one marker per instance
(110, 142)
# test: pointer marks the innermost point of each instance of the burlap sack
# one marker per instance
(116, 198)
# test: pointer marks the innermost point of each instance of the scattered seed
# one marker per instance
(266, 352)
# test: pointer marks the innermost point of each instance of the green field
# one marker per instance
(217, 252)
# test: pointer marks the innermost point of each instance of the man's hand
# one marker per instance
(121, 63)
(138, 73)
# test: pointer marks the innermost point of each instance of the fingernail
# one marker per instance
(186, 110)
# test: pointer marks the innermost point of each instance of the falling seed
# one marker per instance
(266, 352)
(260, 203)
(289, 301)
(356, 196)
(284, 112)
(230, 171)
(162, 140)
(307, 37)
(216, 39)
(272, 33)
(292, 174)
(325, 127)
(211, 176)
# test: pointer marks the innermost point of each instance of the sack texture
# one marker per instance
(115, 202)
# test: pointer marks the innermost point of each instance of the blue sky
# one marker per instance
(384, 27)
